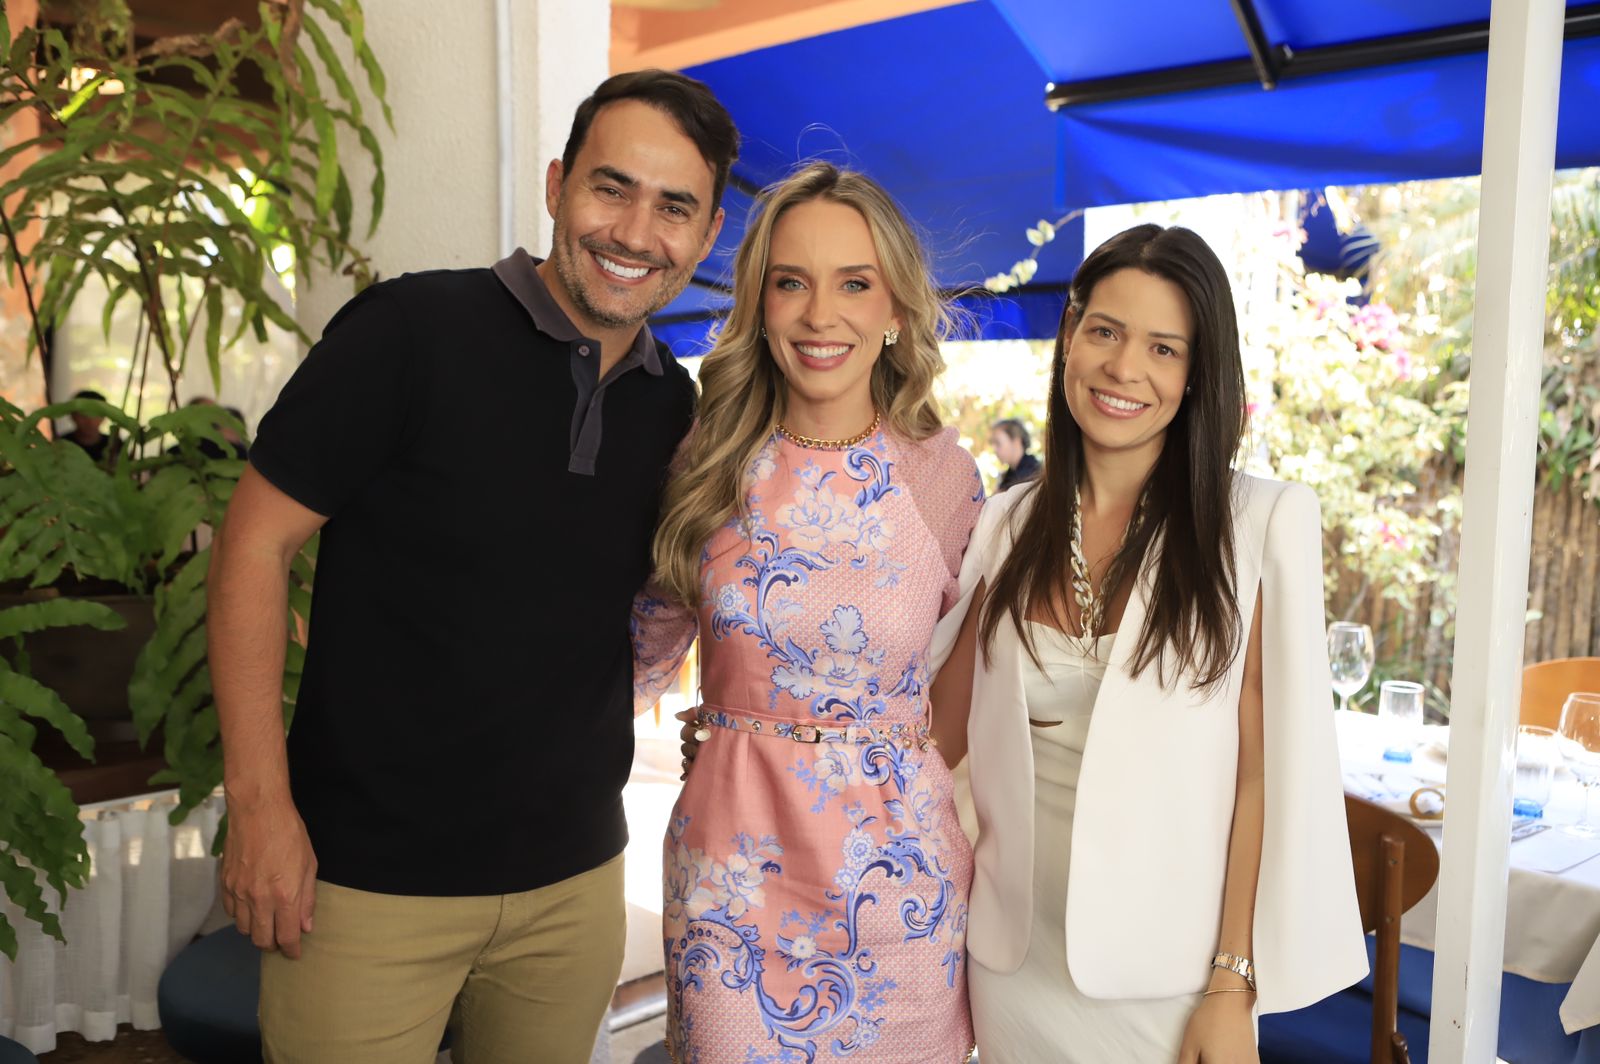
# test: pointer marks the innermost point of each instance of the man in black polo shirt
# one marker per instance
(449, 801)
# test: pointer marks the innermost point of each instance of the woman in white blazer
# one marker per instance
(1162, 847)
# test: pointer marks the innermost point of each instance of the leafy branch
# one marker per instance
(145, 187)
(160, 174)
(1023, 270)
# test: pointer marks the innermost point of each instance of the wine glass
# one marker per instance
(1350, 654)
(1579, 736)
(1400, 710)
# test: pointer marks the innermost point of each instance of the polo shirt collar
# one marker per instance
(519, 274)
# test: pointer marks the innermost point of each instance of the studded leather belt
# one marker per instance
(904, 734)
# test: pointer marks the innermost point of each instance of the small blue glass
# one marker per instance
(1537, 756)
(1400, 711)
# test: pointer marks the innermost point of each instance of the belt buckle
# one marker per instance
(806, 733)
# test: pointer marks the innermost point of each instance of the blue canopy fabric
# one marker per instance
(946, 109)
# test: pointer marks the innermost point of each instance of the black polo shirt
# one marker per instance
(464, 723)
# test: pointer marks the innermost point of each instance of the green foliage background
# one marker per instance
(175, 192)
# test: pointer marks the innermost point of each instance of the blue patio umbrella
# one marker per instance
(1153, 100)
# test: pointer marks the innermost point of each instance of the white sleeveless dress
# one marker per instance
(1037, 1015)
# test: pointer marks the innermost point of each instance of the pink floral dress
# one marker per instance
(816, 876)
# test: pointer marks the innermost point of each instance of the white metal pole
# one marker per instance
(505, 127)
(1519, 138)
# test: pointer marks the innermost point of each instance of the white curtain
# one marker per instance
(151, 887)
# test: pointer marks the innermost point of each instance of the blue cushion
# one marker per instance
(207, 999)
(1530, 1014)
(13, 1053)
(1338, 1028)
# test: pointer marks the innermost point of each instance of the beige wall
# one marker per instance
(443, 161)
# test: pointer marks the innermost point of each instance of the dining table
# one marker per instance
(1553, 886)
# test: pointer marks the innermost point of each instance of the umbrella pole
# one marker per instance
(1519, 137)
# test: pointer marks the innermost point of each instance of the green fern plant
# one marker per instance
(134, 525)
(180, 187)
(39, 826)
(177, 193)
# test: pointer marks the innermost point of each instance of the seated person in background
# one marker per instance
(86, 429)
(237, 447)
(1010, 441)
(236, 442)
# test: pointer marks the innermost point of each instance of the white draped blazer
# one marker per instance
(1156, 794)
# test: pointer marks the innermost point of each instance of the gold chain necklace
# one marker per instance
(830, 445)
(1092, 605)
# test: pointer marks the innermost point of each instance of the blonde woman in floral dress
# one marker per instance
(816, 876)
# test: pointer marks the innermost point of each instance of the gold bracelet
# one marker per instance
(1229, 990)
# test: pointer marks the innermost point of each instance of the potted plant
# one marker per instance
(216, 152)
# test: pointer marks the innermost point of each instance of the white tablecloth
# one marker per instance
(1552, 918)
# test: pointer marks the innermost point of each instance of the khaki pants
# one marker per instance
(520, 978)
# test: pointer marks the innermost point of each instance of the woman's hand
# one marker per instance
(691, 745)
(1221, 1030)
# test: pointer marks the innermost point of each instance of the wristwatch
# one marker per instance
(1236, 964)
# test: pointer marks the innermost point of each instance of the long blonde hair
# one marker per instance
(742, 389)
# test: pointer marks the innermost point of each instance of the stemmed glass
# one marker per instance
(1350, 653)
(1579, 736)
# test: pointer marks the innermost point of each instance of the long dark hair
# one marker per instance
(1193, 624)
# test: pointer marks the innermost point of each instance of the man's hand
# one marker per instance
(691, 745)
(269, 875)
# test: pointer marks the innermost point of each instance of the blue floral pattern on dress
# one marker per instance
(840, 675)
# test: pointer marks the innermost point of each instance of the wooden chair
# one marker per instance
(1546, 685)
(1396, 864)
